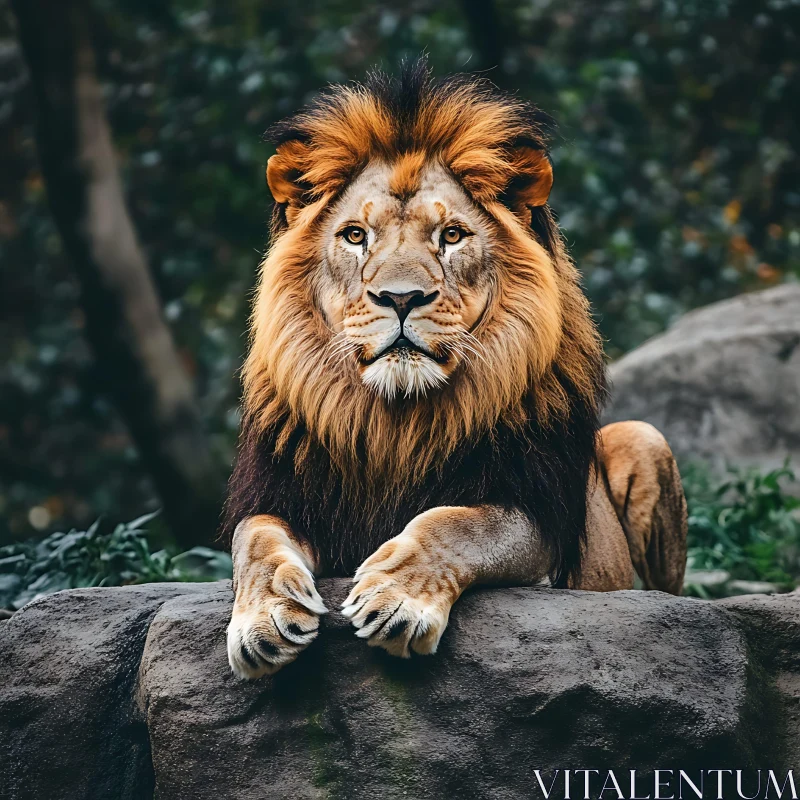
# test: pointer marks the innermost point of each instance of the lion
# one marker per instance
(424, 382)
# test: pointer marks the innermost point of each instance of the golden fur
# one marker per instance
(538, 320)
(641, 479)
(494, 475)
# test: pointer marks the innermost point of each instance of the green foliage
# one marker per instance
(93, 558)
(677, 171)
(747, 526)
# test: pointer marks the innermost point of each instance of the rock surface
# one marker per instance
(127, 693)
(69, 725)
(723, 384)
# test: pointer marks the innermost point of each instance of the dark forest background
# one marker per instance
(677, 183)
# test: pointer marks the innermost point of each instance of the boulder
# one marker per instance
(771, 625)
(69, 724)
(127, 693)
(723, 384)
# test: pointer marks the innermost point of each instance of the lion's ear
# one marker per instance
(285, 171)
(532, 181)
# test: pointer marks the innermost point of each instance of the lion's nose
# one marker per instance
(403, 302)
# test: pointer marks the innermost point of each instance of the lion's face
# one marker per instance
(405, 277)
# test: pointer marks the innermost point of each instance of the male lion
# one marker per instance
(424, 382)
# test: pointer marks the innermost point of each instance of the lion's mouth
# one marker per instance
(403, 347)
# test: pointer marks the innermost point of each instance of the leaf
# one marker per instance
(140, 522)
(203, 563)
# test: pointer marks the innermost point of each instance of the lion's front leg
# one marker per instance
(277, 606)
(404, 591)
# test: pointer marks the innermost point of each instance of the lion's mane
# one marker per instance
(517, 428)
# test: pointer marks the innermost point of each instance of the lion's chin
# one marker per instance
(403, 374)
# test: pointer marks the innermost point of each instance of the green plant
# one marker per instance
(96, 558)
(747, 525)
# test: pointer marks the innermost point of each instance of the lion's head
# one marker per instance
(416, 281)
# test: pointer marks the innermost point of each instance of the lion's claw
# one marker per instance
(271, 626)
(400, 609)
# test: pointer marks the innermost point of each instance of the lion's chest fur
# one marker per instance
(346, 517)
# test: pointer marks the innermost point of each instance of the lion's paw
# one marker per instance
(399, 602)
(271, 624)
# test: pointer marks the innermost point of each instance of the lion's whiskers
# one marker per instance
(467, 343)
(340, 347)
(463, 344)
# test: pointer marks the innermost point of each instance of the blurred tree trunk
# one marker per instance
(488, 38)
(132, 343)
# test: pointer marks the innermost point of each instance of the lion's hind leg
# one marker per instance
(644, 486)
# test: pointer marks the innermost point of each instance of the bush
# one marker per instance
(745, 527)
(93, 558)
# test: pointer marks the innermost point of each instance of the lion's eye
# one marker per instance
(452, 235)
(354, 235)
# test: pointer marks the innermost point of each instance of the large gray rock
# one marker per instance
(525, 679)
(69, 726)
(771, 625)
(723, 384)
